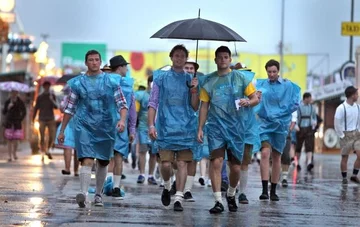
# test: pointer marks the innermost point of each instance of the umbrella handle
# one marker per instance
(189, 84)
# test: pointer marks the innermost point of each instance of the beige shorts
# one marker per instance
(172, 156)
(350, 143)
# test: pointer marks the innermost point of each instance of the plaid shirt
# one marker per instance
(70, 103)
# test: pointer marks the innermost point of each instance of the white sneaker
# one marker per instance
(98, 201)
(208, 182)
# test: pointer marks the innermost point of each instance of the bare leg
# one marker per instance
(76, 163)
(152, 164)
(142, 162)
(215, 173)
(181, 175)
(10, 149)
(276, 164)
(15, 147)
(67, 159)
(264, 164)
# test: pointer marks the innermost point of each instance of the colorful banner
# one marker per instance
(73, 56)
(143, 63)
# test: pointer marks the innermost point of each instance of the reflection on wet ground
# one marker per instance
(36, 194)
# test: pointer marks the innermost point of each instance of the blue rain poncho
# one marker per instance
(122, 139)
(176, 123)
(279, 100)
(143, 98)
(69, 141)
(226, 127)
(95, 119)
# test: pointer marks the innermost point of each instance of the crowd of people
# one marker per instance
(183, 118)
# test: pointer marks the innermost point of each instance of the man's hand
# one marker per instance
(195, 82)
(120, 126)
(200, 136)
(244, 102)
(131, 138)
(152, 133)
(61, 138)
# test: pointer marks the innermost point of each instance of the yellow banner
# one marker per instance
(143, 63)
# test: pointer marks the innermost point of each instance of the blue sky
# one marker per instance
(311, 26)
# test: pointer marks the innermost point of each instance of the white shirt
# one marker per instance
(352, 118)
(294, 116)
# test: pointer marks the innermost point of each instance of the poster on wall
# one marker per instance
(73, 56)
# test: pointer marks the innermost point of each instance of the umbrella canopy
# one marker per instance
(198, 29)
(65, 78)
(14, 86)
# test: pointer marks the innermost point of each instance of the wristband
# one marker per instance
(152, 126)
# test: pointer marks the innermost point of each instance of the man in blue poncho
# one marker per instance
(145, 146)
(118, 67)
(280, 98)
(222, 97)
(94, 99)
(175, 131)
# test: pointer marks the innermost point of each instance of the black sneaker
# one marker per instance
(165, 197)
(355, 179)
(243, 199)
(224, 186)
(173, 189)
(284, 183)
(188, 197)
(231, 201)
(49, 155)
(274, 197)
(217, 209)
(178, 206)
(123, 177)
(298, 167)
(201, 181)
(116, 194)
(344, 181)
(133, 164)
(264, 196)
(310, 167)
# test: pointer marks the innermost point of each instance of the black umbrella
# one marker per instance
(198, 29)
(65, 78)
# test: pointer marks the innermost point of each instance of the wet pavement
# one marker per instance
(36, 194)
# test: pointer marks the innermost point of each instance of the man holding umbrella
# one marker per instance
(175, 130)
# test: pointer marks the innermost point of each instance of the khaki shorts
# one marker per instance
(171, 156)
(220, 153)
(350, 143)
(266, 144)
(144, 148)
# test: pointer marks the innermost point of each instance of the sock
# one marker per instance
(85, 179)
(189, 183)
(284, 175)
(243, 181)
(101, 172)
(344, 174)
(179, 196)
(355, 172)
(231, 191)
(150, 176)
(117, 181)
(265, 186)
(142, 175)
(217, 196)
(167, 185)
(273, 188)
(309, 161)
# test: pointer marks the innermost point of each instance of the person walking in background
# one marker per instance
(15, 112)
(45, 104)
(347, 127)
(69, 142)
